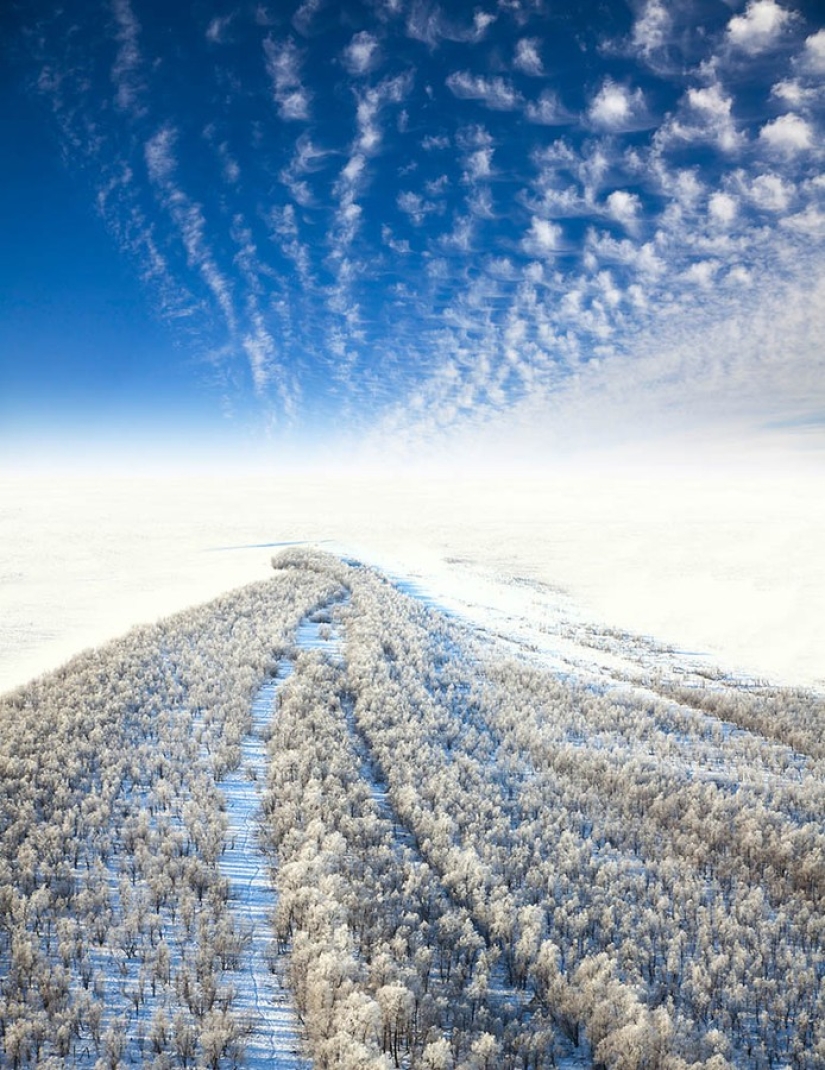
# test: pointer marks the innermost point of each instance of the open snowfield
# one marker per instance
(732, 570)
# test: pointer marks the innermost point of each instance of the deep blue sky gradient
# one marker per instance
(403, 221)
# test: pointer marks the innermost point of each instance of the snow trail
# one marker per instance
(262, 1001)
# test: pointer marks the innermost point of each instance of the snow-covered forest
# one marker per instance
(318, 823)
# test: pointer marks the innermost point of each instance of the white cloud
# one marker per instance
(159, 154)
(216, 30)
(787, 135)
(624, 208)
(414, 205)
(739, 276)
(302, 19)
(722, 208)
(370, 104)
(351, 173)
(651, 28)
(362, 53)
(685, 187)
(283, 221)
(481, 21)
(283, 64)
(760, 28)
(644, 259)
(188, 218)
(479, 164)
(480, 203)
(543, 239)
(496, 93)
(547, 110)
(400, 246)
(231, 168)
(813, 57)
(427, 23)
(617, 108)
(259, 347)
(810, 222)
(474, 136)
(527, 58)
(349, 213)
(306, 159)
(126, 69)
(771, 193)
(793, 93)
(460, 238)
(285, 231)
(706, 116)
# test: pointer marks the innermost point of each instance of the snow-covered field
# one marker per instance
(731, 570)
(316, 816)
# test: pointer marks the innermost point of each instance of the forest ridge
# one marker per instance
(473, 862)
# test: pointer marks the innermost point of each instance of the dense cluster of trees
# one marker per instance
(116, 934)
(477, 864)
(651, 875)
(386, 966)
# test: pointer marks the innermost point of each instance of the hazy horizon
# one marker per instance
(729, 569)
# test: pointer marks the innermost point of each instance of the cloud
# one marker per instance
(414, 205)
(495, 93)
(398, 245)
(722, 208)
(302, 19)
(760, 28)
(813, 56)
(771, 193)
(460, 238)
(159, 154)
(126, 69)
(651, 29)
(260, 350)
(306, 159)
(370, 104)
(793, 93)
(569, 180)
(810, 222)
(705, 115)
(362, 53)
(231, 168)
(787, 135)
(216, 30)
(624, 207)
(427, 23)
(283, 64)
(527, 58)
(478, 165)
(618, 109)
(543, 239)
(161, 165)
(548, 110)
(286, 233)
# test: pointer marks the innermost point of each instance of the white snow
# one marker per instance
(263, 999)
(731, 569)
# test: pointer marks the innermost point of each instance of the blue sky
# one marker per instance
(410, 227)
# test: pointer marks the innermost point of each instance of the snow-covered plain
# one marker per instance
(731, 570)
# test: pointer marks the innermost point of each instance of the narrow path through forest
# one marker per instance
(262, 998)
